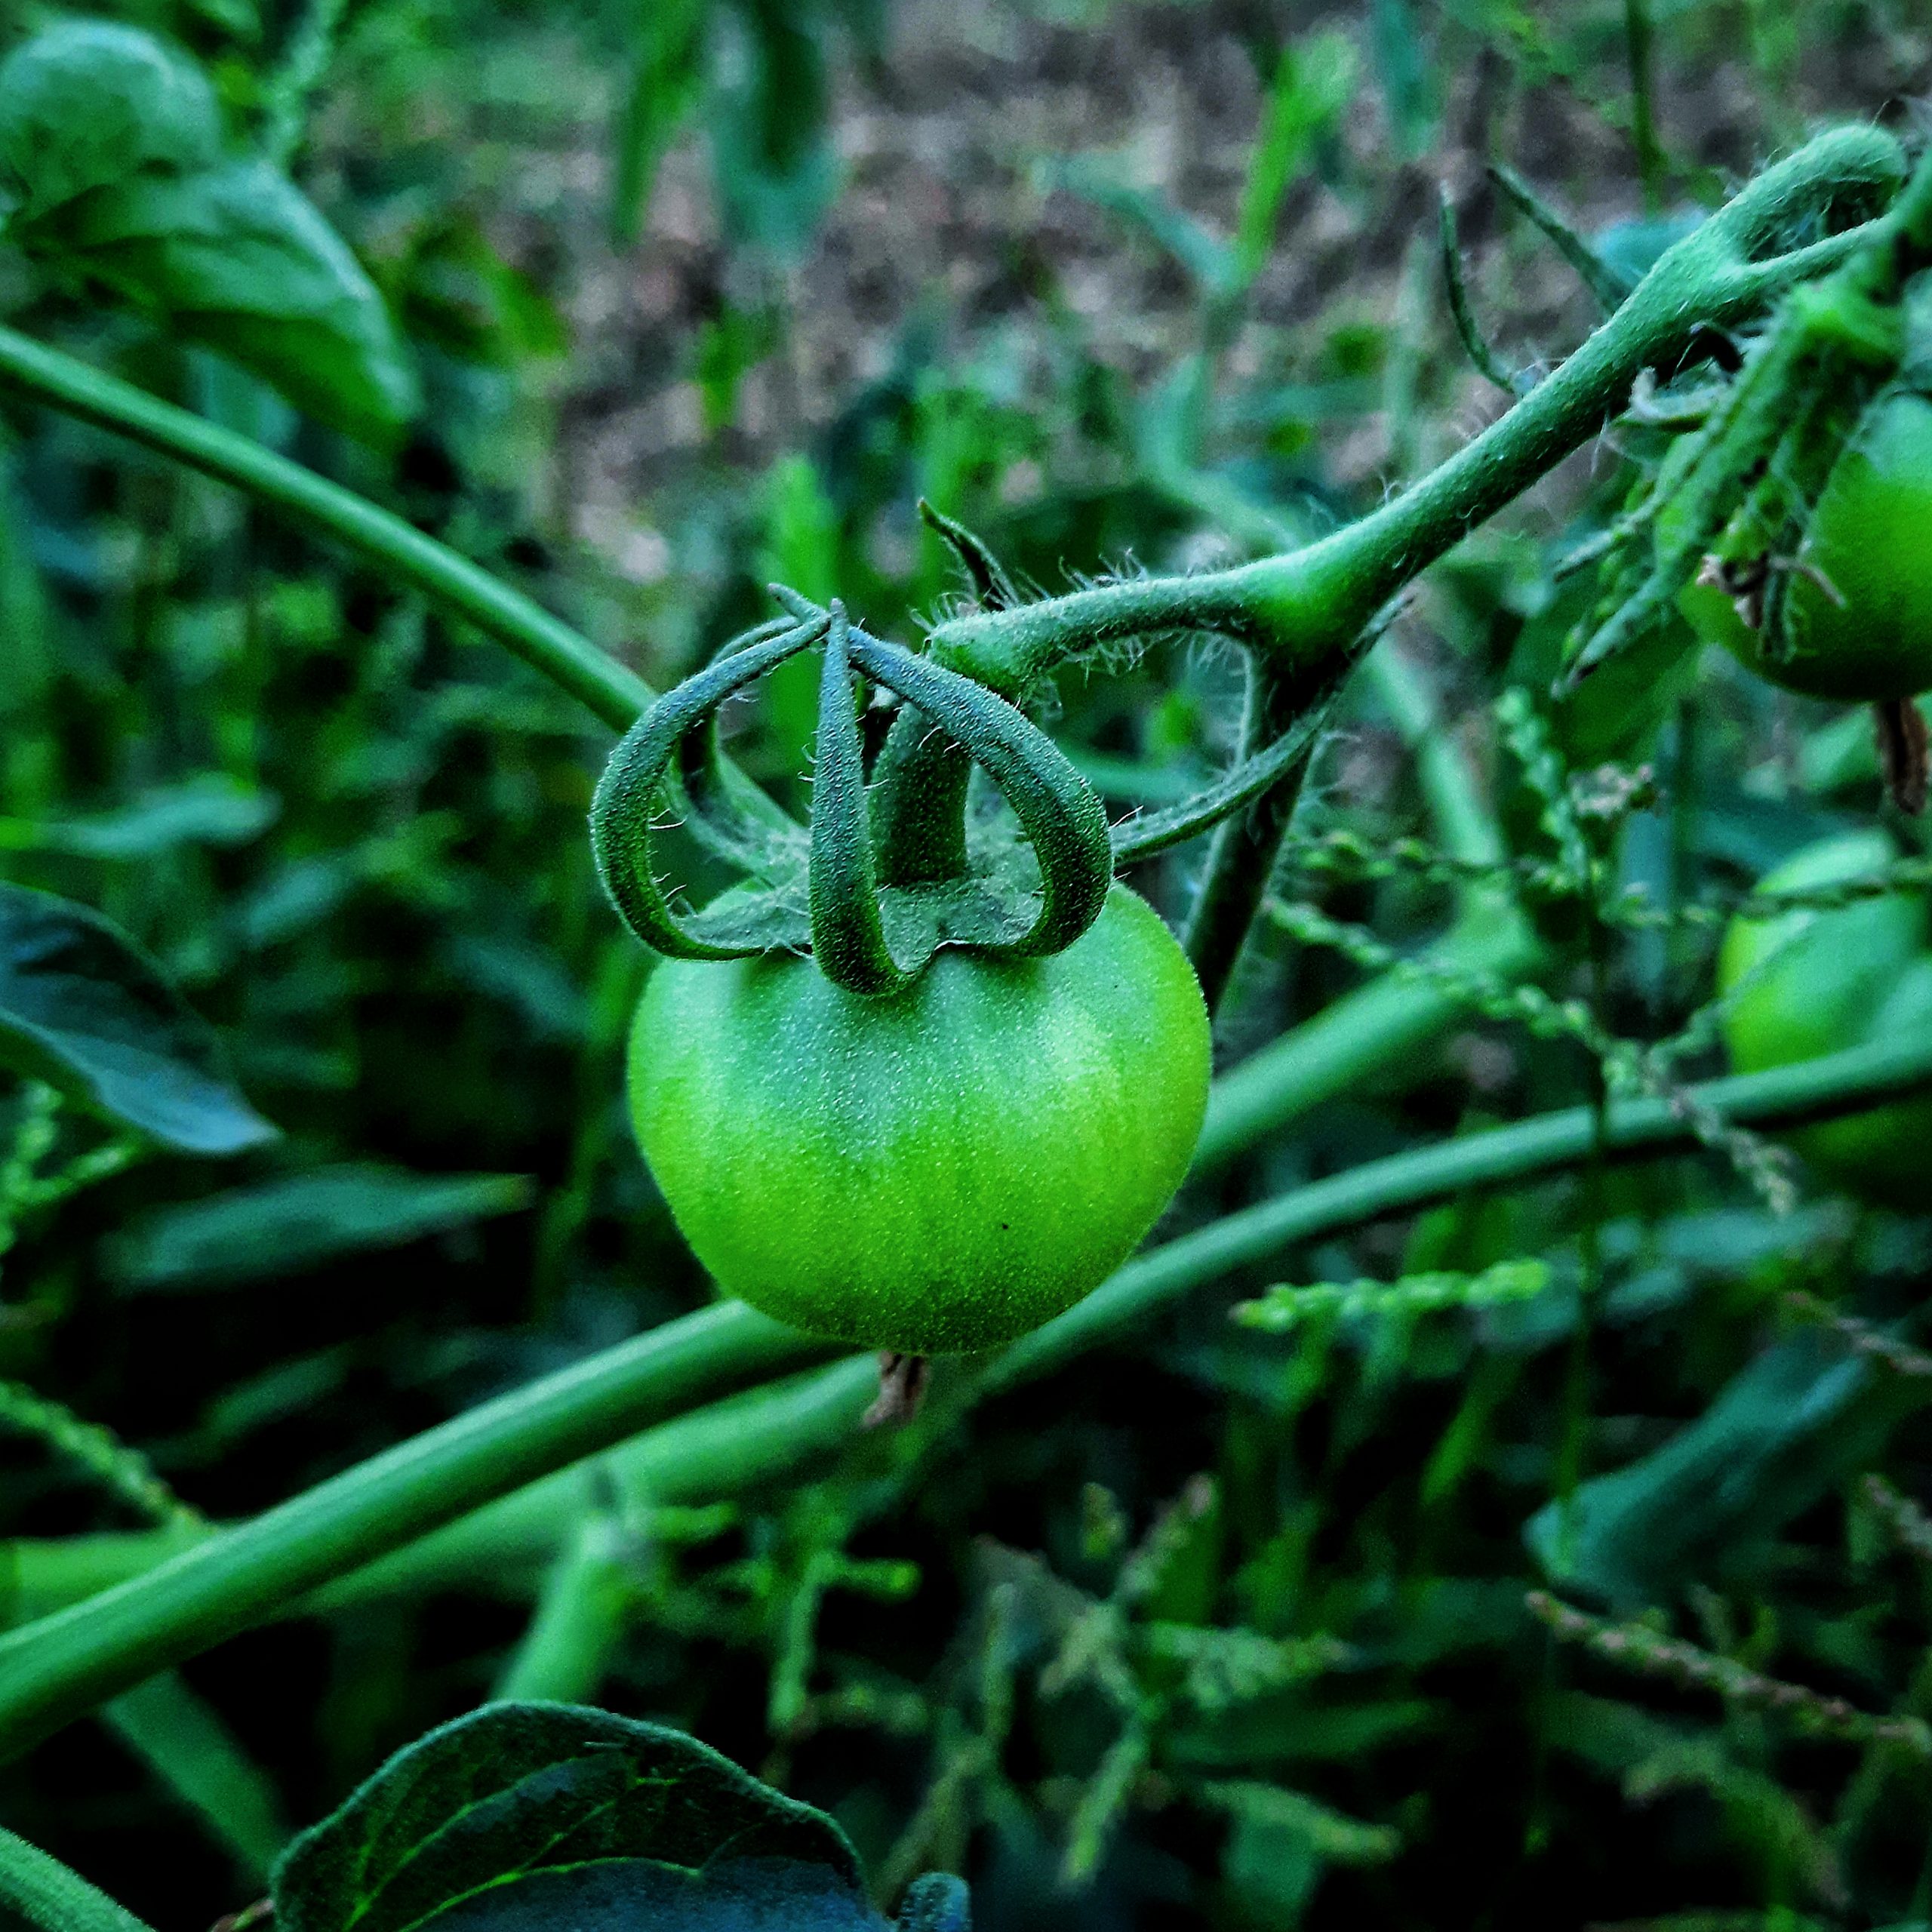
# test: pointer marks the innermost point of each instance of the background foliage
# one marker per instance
(642, 306)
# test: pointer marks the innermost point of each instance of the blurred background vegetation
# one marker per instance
(1224, 1627)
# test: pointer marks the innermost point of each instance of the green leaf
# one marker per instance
(90, 103)
(554, 1818)
(772, 157)
(1311, 89)
(236, 257)
(83, 1009)
(181, 1739)
(1784, 1433)
(211, 810)
(280, 1227)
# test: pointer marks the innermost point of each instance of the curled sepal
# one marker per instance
(1250, 778)
(992, 589)
(848, 937)
(1063, 820)
(633, 791)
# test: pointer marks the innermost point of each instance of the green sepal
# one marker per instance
(992, 589)
(848, 936)
(1242, 783)
(1058, 811)
(633, 791)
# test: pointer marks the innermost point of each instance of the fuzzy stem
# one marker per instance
(46, 1894)
(918, 803)
(1302, 607)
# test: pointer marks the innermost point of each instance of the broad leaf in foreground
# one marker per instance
(83, 1008)
(554, 1818)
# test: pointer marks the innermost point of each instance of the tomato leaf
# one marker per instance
(554, 1818)
(238, 258)
(83, 1009)
(297, 1221)
(90, 103)
(1785, 1430)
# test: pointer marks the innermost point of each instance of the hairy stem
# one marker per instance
(1304, 607)
(46, 1894)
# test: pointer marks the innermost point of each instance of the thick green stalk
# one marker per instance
(52, 1671)
(569, 660)
(581, 1614)
(719, 1450)
(1304, 607)
(47, 1895)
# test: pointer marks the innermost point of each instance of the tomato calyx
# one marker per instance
(872, 909)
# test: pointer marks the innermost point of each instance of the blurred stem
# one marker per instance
(1639, 40)
(614, 692)
(580, 1616)
(1384, 1025)
(311, 48)
(46, 1894)
(52, 1670)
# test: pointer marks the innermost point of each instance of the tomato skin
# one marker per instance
(1870, 535)
(935, 1171)
(1858, 972)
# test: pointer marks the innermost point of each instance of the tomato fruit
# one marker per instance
(1822, 981)
(1871, 539)
(935, 1170)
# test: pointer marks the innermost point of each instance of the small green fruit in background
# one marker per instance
(933, 1172)
(1868, 637)
(1822, 981)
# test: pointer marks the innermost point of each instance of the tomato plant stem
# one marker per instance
(616, 694)
(46, 1894)
(53, 1671)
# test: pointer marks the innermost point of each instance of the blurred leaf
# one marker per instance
(236, 257)
(182, 1739)
(278, 1227)
(1405, 67)
(88, 104)
(1781, 1435)
(454, 290)
(666, 83)
(553, 1818)
(1210, 263)
(83, 1009)
(1312, 88)
(771, 154)
(208, 811)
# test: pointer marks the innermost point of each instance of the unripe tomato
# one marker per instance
(933, 1172)
(1871, 539)
(1827, 981)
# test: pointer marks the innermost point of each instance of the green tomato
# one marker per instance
(1821, 981)
(1871, 537)
(935, 1171)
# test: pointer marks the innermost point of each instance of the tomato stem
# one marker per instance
(55, 1670)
